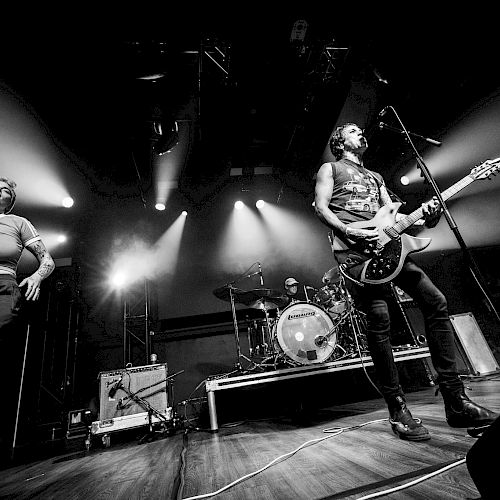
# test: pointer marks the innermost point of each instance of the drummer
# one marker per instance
(291, 288)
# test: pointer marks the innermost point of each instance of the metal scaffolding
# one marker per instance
(136, 325)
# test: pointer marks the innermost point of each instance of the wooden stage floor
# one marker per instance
(353, 464)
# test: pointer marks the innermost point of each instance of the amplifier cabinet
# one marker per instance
(131, 391)
(472, 345)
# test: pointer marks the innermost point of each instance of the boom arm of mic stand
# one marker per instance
(145, 404)
(473, 267)
(384, 126)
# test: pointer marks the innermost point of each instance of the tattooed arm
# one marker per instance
(46, 266)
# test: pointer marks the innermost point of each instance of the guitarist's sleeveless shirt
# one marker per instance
(355, 195)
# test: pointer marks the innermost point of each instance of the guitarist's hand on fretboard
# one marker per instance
(432, 212)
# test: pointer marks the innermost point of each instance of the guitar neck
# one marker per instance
(410, 219)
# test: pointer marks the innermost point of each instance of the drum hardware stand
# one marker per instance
(308, 300)
(268, 328)
(230, 286)
(351, 314)
(239, 355)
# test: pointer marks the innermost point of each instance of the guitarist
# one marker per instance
(346, 192)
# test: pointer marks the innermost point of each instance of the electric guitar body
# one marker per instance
(389, 254)
(385, 258)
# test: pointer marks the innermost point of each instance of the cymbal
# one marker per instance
(332, 276)
(264, 292)
(224, 294)
(263, 298)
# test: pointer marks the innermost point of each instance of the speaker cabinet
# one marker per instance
(130, 390)
(472, 345)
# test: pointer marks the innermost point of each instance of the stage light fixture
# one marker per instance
(67, 202)
(160, 206)
(239, 205)
(61, 238)
(167, 136)
(184, 213)
(260, 203)
(405, 180)
(118, 280)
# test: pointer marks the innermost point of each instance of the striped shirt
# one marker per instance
(16, 233)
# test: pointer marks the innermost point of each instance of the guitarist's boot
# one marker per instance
(461, 411)
(402, 422)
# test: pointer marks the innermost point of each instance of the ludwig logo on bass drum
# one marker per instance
(301, 315)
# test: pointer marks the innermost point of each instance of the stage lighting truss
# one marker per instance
(137, 323)
(219, 53)
(331, 60)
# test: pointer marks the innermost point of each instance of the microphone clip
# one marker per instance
(260, 274)
(383, 112)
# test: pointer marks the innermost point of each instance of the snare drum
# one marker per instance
(305, 333)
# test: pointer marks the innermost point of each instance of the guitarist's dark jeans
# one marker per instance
(373, 300)
(11, 352)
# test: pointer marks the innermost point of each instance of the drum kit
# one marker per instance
(325, 327)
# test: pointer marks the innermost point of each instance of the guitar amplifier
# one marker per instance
(130, 391)
(472, 345)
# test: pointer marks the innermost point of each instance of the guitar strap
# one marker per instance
(377, 182)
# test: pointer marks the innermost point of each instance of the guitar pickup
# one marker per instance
(392, 233)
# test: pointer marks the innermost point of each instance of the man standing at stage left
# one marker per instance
(16, 233)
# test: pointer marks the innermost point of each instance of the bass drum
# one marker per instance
(305, 333)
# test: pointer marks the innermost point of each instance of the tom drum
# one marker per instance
(330, 299)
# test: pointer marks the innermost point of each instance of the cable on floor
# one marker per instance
(414, 482)
(332, 431)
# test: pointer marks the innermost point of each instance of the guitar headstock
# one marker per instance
(486, 169)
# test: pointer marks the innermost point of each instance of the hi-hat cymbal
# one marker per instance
(263, 298)
(223, 293)
(332, 276)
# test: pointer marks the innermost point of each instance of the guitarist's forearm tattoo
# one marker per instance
(46, 262)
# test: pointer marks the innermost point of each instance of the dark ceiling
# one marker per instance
(84, 76)
(87, 78)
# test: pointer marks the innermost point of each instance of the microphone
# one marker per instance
(113, 389)
(260, 274)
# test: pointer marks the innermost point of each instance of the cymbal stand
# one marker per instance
(239, 355)
(230, 286)
(267, 347)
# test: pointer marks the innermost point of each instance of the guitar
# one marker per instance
(385, 258)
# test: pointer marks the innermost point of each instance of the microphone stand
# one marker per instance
(141, 401)
(384, 126)
(473, 267)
